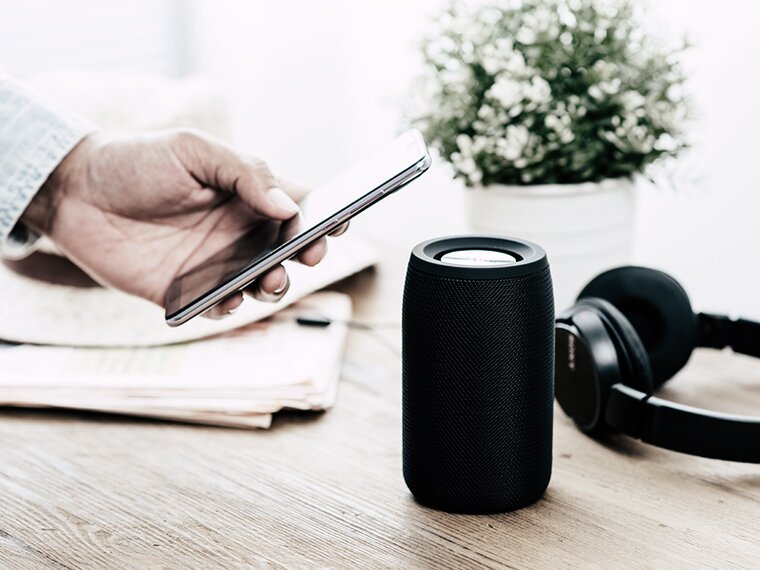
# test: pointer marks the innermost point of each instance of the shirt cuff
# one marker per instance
(33, 142)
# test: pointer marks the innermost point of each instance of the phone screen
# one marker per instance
(339, 196)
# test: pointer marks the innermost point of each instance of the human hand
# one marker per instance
(136, 211)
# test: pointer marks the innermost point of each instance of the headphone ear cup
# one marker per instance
(627, 341)
(657, 308)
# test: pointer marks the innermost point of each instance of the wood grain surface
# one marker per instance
(326, 490)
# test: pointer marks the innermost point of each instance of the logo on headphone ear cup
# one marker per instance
(657, 308)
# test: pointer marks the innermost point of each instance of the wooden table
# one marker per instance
(326, 490)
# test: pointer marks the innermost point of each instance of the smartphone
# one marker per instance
(271, 242)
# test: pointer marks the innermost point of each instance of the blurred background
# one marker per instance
(312, 86)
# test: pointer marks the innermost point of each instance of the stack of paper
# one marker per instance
(238, 378)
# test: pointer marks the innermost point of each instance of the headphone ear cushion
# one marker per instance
(626, 338)
(659, 310)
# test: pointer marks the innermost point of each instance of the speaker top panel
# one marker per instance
(478, 257)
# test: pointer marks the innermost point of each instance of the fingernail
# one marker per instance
(233, 310)
(283, 201)
(282, 286)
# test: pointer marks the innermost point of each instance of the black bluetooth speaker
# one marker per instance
(477, 367)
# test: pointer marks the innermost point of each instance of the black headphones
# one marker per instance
(630, 331)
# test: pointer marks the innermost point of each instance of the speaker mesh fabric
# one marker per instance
(477, 367)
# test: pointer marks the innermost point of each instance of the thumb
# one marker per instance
(216, 165)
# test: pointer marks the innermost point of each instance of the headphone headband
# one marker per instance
(686, 429)
(720, 331)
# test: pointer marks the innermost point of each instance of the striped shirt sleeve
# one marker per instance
(35, 137)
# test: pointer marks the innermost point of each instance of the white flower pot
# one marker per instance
(585, 228)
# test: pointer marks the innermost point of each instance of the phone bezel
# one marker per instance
(291, 248)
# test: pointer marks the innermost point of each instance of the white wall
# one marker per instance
(140, 36)
(311, 84)
(710, 236)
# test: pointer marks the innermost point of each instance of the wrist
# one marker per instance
(41, 213)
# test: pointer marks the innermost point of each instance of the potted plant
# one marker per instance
(547, 110)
